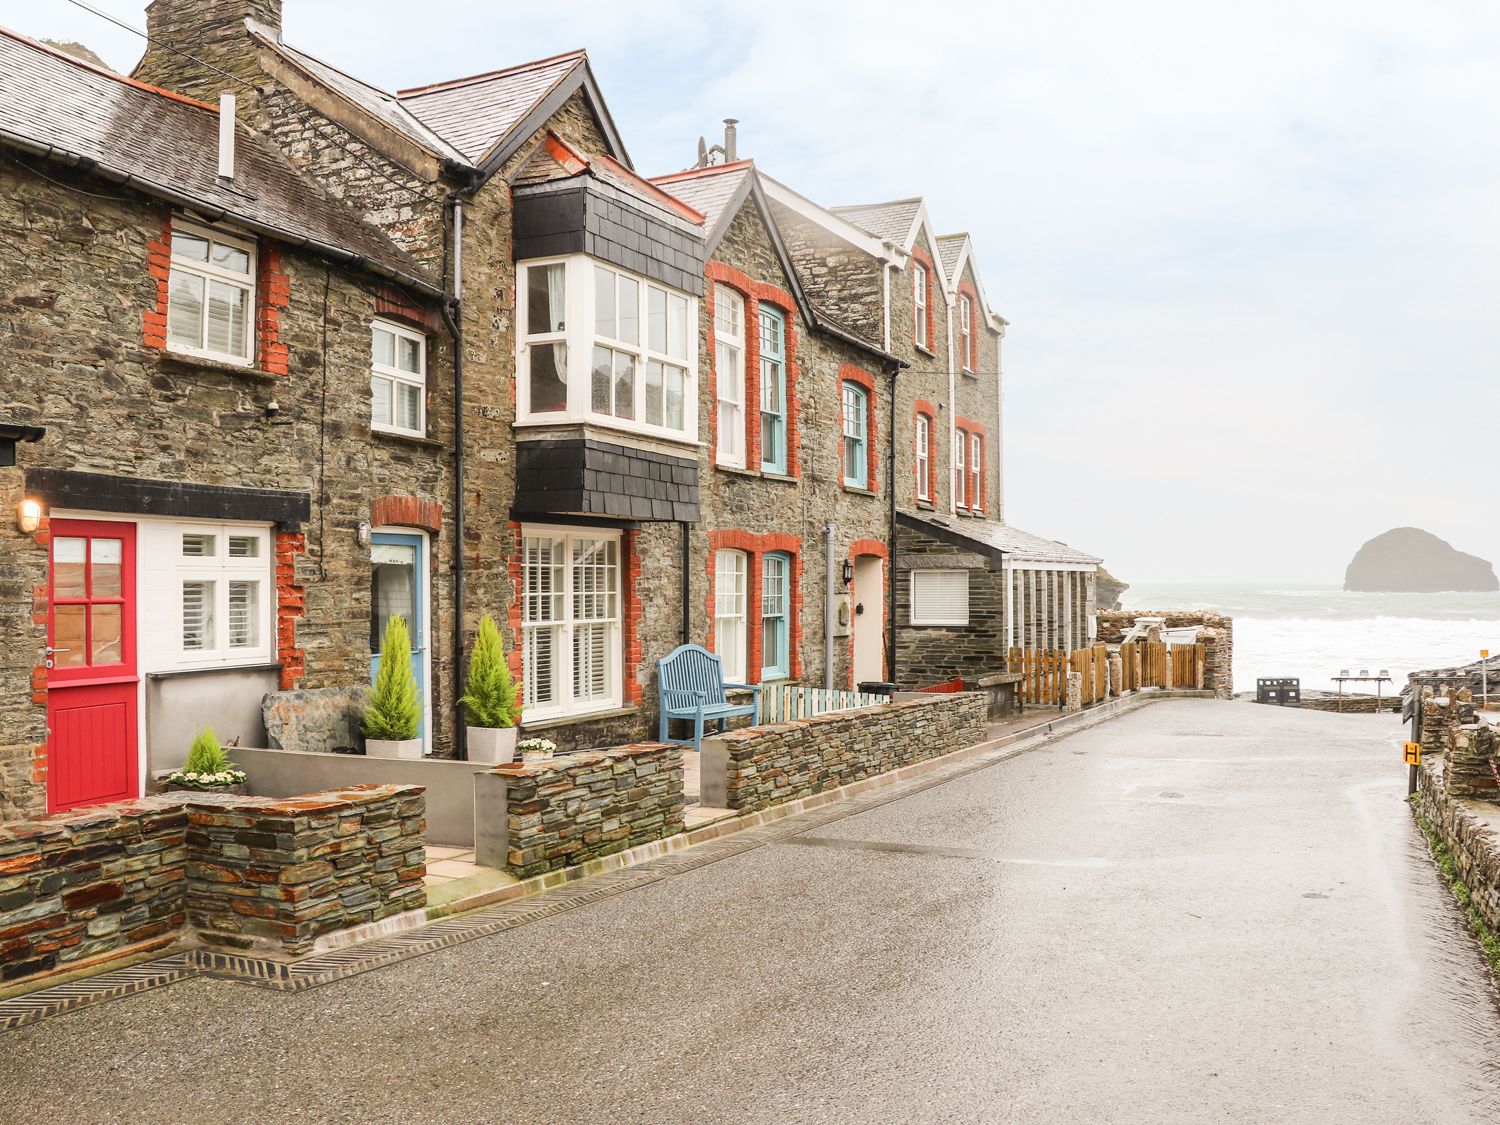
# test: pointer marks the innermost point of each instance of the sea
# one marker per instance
(1316, 632)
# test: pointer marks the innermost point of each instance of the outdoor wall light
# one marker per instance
(29, 515)
(363, 534)
(848, 572)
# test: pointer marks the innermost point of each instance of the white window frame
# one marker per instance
(394, 374)
(221, 569)
(960, 440)
(923, 453)
(211, 273)
(966, 330)
(920, 613)
(566, 705)
(780, 409)
(770, 672)
(976, 468)
(919, 304)
(731, 604)
(730, 379)
(855, 476)
(577, 336)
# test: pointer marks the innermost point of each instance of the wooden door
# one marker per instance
(91, 672)
(868, 624)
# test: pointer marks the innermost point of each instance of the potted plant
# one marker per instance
(536, 750)
(490, 699)
(208, 768)
(394, 712)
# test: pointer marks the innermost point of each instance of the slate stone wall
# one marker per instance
(786, 761)
(1217, 639)
(930, 654)
(1467, 828)
(579, 807)
(80, 887)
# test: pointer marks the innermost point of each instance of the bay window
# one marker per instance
(775, 616)
(856, 448)
(924, 457)
(398, 379)
(729, 368)
(603, 345)
(731, 639)
(211, 295)
(570, 621)
(223, 574)
(772, 390)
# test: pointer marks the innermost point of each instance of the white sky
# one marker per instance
(1250, 253)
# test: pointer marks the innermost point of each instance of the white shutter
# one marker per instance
(244, 616)
(197, 616)
(940, 597)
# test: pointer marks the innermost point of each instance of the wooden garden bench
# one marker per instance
(692, 686)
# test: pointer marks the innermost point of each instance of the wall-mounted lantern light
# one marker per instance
(364, 534)
(29, 515)
(848, 572)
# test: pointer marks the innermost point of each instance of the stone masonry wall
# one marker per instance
(578, 807)
(1468, 828)
(81, 887)
(786, 761)
(930, 654)
(1217, 638)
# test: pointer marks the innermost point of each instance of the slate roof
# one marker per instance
(380, 104)
(950, 247)
(891, 221)
(987, 535)
(476, 114)
(712, 192)
(59, 108)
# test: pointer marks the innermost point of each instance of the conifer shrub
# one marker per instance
(395, 709)
(489, 693)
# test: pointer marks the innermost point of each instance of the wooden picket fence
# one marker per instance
(1130, 668)
(780, 702)
(1187, 666)
(1093, 665)
(1146, 664)
(1044, 675)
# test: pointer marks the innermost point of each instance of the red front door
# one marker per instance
(91, 679)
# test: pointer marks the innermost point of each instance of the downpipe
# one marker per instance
(830, 610)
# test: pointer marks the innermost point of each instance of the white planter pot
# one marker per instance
(494, 745)
(536, 757)
(410, 748)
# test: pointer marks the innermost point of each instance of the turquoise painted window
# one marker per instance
(856, 447)
(772, 390)
(775, 616)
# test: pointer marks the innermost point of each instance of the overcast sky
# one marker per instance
(1250, 253)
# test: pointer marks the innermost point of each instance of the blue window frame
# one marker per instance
(856, 449)
(772, 390)
(775, 616)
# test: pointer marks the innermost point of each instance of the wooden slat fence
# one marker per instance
(1044, 675)
(1130, 668)
(780, 702)
(1093, 665)
(1187, 666)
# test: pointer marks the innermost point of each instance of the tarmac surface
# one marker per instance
(1201, 911)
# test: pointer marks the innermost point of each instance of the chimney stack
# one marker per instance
(730, 140)
(226, 136)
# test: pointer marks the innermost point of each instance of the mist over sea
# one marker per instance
(1312, 632)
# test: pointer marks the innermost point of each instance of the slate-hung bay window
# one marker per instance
(570, 621)
(211, 295)
(775, 616)
(398, 379)
(856, 436)
(772, 390)
(729, 368)
(224, 579)
(602, 345)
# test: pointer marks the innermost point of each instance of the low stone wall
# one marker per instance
(1471, 831)
(755, 767)
(81, 887)
(263, 871)
(1217, 638)
(531, 819)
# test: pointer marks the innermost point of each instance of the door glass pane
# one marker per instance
(70, 633)
(549, 374)
(105, 555)
(67, 568)
(393, 589)
(104, 635)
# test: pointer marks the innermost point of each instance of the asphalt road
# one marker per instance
(1199, 912)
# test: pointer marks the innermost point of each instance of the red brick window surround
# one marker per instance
(756, 547)
(924, 420)
(924, 327)
(406, 511)
(975, 439)
(754, 294)
(291, 601)
(859, 377)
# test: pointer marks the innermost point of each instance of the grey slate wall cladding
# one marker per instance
(586, 476)
(589, 218)
(931, 654)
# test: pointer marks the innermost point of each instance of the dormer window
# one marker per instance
(606, 346)
(919, 305)
(211, 295)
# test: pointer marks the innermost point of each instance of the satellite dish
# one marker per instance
(702, 153)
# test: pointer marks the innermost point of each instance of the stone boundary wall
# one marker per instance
(1217, 638)
(1353, 704)
(77, 888)
(531, 819)
(1471, 830)
(755, 767)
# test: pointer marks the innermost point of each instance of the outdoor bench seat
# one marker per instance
(692, 686)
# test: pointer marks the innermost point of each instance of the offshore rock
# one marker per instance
(1410, 561)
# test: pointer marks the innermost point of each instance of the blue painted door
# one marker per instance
(398, 585)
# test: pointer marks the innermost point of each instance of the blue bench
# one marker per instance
(691, 681)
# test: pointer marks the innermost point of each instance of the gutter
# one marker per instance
(213, 212)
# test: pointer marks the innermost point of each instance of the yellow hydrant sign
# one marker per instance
(1411, 753)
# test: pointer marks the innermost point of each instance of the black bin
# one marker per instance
(877, 687)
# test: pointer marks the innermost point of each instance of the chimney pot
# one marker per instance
(731, 137)
(226, 136)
